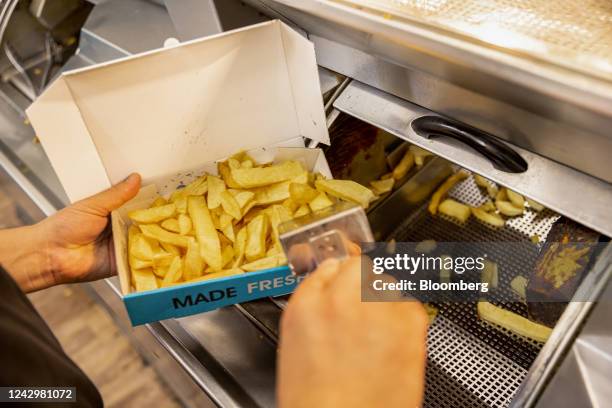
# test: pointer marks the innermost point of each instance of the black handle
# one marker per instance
(501, 156)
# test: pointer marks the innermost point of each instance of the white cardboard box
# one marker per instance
(168, 112)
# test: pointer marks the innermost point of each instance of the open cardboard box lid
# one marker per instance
(169, 110)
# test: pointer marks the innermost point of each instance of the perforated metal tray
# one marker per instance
(470, 362)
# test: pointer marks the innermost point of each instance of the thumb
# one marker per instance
(108, 200)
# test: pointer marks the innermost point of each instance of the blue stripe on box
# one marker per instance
(192, 298)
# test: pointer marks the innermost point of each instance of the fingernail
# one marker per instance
(130, 177)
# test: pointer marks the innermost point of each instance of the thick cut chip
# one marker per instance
(197, 187)
(284, 213)
(263, 263)
(300, 212)
(481, 181)
(143, 248)
(161, 270)
(193, 264)
(491, 219)
(242, 197)
(507, 208)
(404, 165)
(246, 164)
(346, 190)
(175, 272)
(513, 322)
(233, 163)
(156, 232)
(276, 215)
(425, 247)
(144, 279)
(184, 224)
(205, 232)
(133, 231)
(303, 178)
(432, 312)
(443, 189)
(534, 205)
(274, 249)
(446, 270)
(455, 209)
(302, 193)
(169, 248)
(220, 274)
(271, 194)
(241, 156)
(136, 263)
(215, 187)
(147, 249)
(163, 259)
(252, 213)
(516, 199)
(181, 205)
(420, 155)
(227, 255)
(290, 205)
(224, 221)
(223, 240)
(322, 201)
(519, 286)
(225, 172)
(488, 206)
(171, 224)
(263, 176)
(230, 205)
(154, 214)
(240, 246)
(382, 186)
(502, 194)
(215, 220)
(490, 274)
(257, 232)
(228, 231)
(491, 188)
(248, 207)
(159, 201)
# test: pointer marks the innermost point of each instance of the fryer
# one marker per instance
(471, 363)
(534, 75)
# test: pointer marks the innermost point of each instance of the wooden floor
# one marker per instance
(91, 339)
(85, 330)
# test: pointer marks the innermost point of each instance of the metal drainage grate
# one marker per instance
(471, 363)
